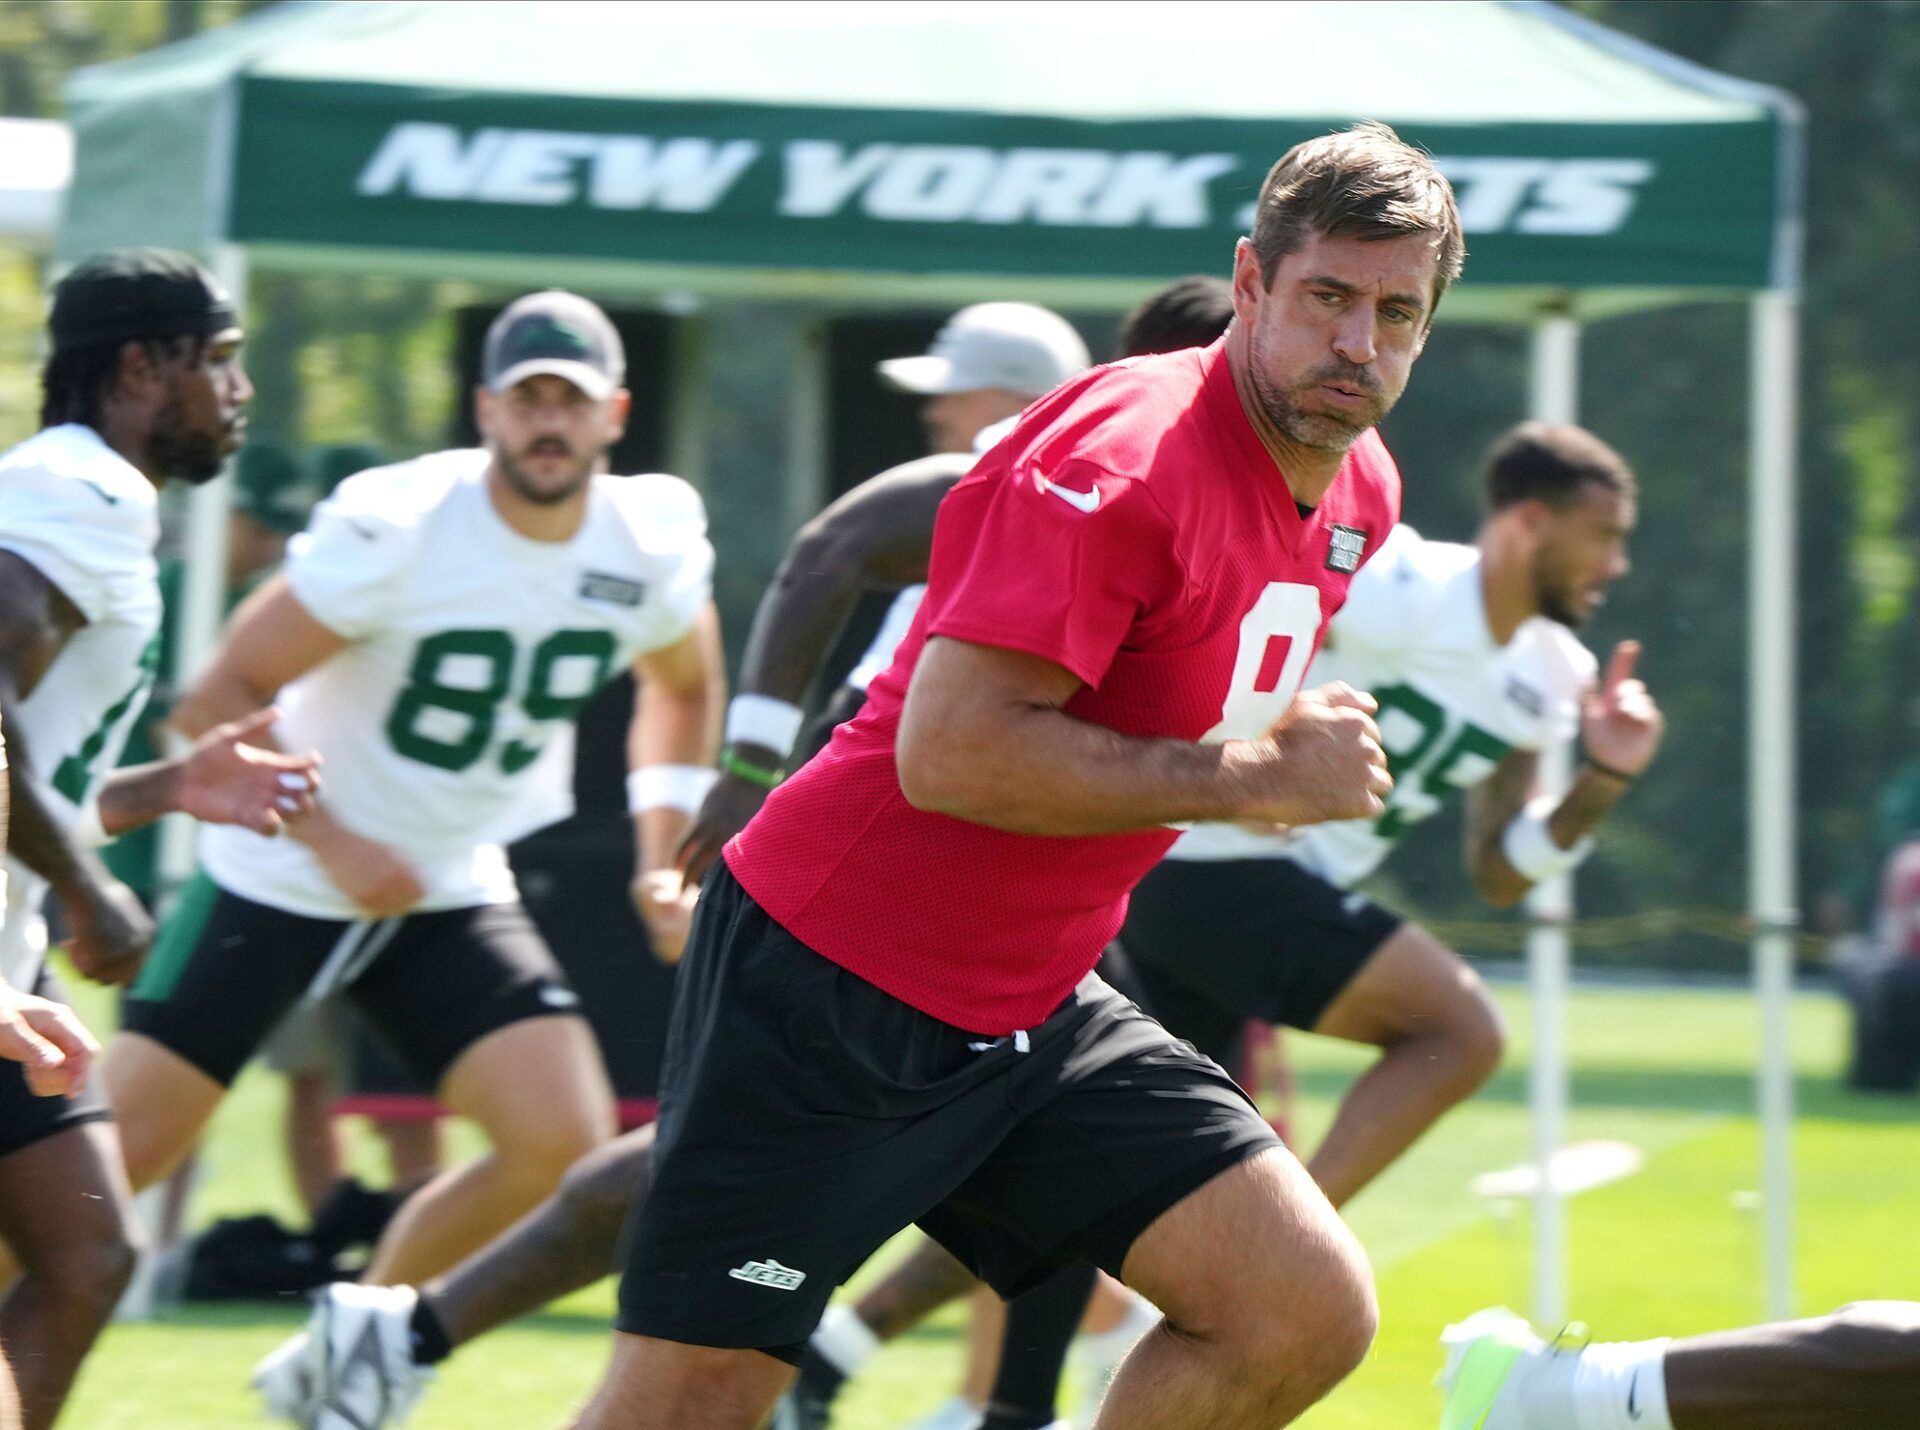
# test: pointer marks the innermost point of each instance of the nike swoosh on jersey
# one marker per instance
(371, 533)
(106, 496)
(1084, 501)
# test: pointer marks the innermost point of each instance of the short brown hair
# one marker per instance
(1364, 182)
(1552, 463)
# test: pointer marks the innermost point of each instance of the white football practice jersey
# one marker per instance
(1453, 704)
(447, 725)
(87, 520)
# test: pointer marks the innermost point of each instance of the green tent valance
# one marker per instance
(730, 142)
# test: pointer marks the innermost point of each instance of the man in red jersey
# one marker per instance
(886, 1012)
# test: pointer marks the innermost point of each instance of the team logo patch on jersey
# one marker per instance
(1344, 548)
(1525, 696)
(769, 1273)
(614, 590)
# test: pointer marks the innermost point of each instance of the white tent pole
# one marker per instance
(807, 421)
(203, 594)
(688, 406)
(1555, 397)
(1772, 876)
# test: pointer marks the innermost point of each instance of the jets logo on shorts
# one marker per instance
(1344, 547)
(769, 1273)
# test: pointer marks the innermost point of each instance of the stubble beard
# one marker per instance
(1552, 600)
(179, 453)
(524, 486)
(1317, 431)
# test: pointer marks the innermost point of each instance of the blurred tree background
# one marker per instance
(354, 360)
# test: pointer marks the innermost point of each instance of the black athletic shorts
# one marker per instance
(806, 1117)
(1214, 943)
(224, 971)
(25, 1116)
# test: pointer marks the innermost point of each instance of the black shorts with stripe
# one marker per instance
(225, 970)
(806, 1116)
(25, 1116)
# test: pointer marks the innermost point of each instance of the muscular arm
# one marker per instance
(878, 534)
(271, 641)
(1496, 800)
(36, 621)
(676, 721)
(1620, 731)
(984, 737)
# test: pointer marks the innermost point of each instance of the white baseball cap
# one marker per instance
(1015, 346)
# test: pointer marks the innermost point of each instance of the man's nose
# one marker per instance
(1353, 338)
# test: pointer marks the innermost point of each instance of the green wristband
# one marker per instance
(748, 770)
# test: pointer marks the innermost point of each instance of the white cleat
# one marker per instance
(1490, 1357)
(285, 1381)
(360, 1358)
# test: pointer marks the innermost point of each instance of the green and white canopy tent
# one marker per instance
(945, 152)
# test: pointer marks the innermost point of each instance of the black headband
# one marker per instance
(137, 293)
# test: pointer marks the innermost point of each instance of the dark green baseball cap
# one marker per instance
(556, 334)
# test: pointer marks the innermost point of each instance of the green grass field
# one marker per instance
(1672, 1249)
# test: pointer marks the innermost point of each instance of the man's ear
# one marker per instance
(1249, 284)
(136, 372)
(619, 409)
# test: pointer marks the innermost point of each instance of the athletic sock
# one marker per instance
(1611, 1385)
(1040, 1328)
(843, 1340)
(426, 1337)
(1622, 1385)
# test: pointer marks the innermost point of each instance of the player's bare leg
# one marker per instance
(1440, 1039)
(161, 1103)
(316, 1155)
(928, 1278)
(565, 1243)
(538, 1090)
(65, 1209)
(667, 1385)
(986, 1328)
(416, 1148)
(1858, 1367)
(925, 1279)
(1268, 1299)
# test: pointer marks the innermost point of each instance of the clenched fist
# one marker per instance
(1320, 761)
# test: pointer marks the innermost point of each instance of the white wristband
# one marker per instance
(680, 787)
(1529, 847)
(762, 720)
(87, 831)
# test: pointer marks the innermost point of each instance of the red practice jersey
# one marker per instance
(1133, 530)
